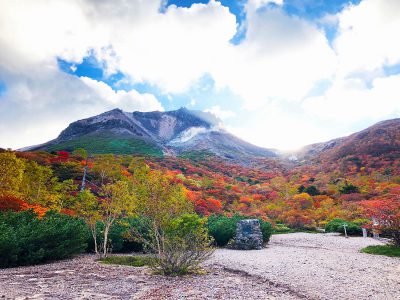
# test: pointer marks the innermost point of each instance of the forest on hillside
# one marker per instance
(361, 191)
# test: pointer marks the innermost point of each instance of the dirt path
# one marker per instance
(320, 266)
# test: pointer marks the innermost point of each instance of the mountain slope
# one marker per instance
(379, 140)
(154, 133)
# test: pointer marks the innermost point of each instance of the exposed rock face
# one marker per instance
(248, 235)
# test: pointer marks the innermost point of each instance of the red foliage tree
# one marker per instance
(386, 216)
(208, 206)
(11, 202)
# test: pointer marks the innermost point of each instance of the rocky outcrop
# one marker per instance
(248, 235)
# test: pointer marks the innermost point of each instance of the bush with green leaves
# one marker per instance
(349, 188)
(223, 228)
(281, 228)
(183, 246)
(336, 225)
(26, 239)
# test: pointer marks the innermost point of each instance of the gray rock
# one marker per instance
(248, 235)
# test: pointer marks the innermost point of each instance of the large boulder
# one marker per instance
(248, 235)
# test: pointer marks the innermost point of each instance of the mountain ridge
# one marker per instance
(379, 139)
(176, 132)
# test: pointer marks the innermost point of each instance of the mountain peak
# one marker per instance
(156, 133)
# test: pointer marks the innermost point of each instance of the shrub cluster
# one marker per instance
(223, 228)
(186, 244)
(26, 239)
(336, 225)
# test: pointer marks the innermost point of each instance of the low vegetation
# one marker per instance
(133, 261)
(103, 144)
(282, 229)
(26, 239)
(387, 250)
(337, 225)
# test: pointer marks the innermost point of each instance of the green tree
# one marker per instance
(107, 167)
(80, 153)
(64, 197)
(171, 234)
(312, 190)
(38, 184)
(88, 208)
(11, 172)
(118, 202)
(349, 188)
(157, 198)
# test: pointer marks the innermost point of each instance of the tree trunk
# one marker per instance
(106, 231)
(94, 235)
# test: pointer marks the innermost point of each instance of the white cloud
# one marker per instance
(193, 102)
(273, 69)
(252, 5)
(40, 100)
(179, 46)
(274, 128)
(126, 100)
(360, 92)
(220, 113)
(368, 36)
(37, 106)
(350, 101)
(172, 50)
(281, 57)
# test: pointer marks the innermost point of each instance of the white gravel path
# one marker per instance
(319, 266)
(85, 279)
(292, 267)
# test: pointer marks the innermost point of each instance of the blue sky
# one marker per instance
(278, 73)
(2, 88)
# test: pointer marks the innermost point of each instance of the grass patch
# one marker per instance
(382, 250)
(133, 261)
(282, 229)
(196, 156)
(284, 232)
(106, 143)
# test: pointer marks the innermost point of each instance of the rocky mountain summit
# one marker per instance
(178, 132)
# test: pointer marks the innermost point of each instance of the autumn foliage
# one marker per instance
(385, 214)
(13, 203)
(305, 196)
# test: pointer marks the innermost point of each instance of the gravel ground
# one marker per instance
(84, 278)
(294, 266)
(320, 266)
